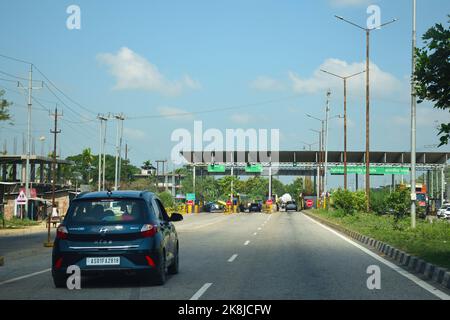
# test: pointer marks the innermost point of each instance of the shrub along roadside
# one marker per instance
(349, 202)
(429, 241)
(16, 223)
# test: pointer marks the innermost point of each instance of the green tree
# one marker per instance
(4, 108)
(295, 188)
(433, 72)
(166, 199)
(399, 202)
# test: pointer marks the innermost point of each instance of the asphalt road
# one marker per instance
(242, 256)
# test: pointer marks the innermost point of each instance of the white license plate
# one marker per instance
(103, 261)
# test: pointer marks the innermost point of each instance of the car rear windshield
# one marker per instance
(107, 211)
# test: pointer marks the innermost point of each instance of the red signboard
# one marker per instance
(33, 193)
(309, 203)
(269, 202)
(190, 203)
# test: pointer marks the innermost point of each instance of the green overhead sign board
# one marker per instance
(255, 168)
(190, 196)
(339, 170)
(216, 168)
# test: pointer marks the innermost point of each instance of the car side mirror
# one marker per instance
(176, 217)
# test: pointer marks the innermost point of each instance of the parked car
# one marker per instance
(254, 207)
(119, 231)
(291, 206)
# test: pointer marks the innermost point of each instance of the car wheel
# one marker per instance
(60, 281)
(160, 277)
(174, 267)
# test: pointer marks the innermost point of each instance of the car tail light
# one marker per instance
(61, 232)
(58, 263)
(150, 261)
(148, 230)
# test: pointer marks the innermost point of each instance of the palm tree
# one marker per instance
(86, 161)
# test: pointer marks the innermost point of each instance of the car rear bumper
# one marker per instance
(129, 262)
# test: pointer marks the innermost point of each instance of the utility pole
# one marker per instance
(55, 132)
(102, 119)
(119, 118)
(413, 122)
(28, 148)
(120, 152)
(104, 154)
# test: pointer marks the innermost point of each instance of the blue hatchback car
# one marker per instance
(118, 231)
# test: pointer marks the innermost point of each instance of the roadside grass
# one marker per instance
(15, 223)
(429, 241)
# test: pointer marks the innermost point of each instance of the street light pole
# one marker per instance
(345, 118)
(318, 166)
(367, 120)
(327, 112)
(322, 143)
(367, 31)
(413, 122)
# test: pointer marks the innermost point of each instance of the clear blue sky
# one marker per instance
(196, 55)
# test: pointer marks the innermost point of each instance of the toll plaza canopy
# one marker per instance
(302, 163)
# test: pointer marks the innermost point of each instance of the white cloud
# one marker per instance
(383, 84)
(133, 71)
(134, 134)
(427, 117)
(175, 113)
(264, 83)
(349, 3)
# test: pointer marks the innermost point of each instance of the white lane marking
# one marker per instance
(246, 243)
(255, 233)
(441, 295)
(25, 276)
(233, 257)
(201, 291)
(259, 228)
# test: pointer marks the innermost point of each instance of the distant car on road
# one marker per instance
(442, 210)
(291, 206)
(212, 207)
(445, 214)
(254, 207)
(119, 231)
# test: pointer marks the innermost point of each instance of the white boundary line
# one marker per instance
(441, 295)
(25, 276)
(233, 257)
(201, 291)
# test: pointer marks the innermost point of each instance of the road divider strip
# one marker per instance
(201, 291)
(412, 263)
(25, 276)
